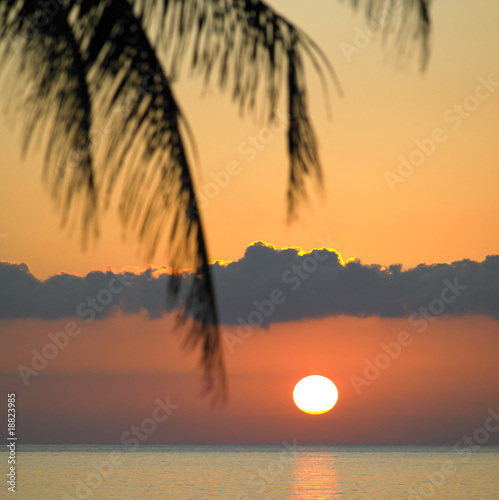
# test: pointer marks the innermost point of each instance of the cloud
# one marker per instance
(95, 295)
(266, 285)
(318, 284)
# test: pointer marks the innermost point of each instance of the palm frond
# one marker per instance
(249, 49)
(87, 62)
(406, 23)
(302, 143)
(93, 63)
(147, 142)
(42, 51)
(247, 45)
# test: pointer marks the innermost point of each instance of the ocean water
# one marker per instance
(287, 471)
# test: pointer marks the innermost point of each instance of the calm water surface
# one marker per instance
(247, 472)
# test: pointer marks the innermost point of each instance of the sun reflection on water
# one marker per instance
(315, 477)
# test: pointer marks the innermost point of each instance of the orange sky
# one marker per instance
(446, 210)
(436, 390)
(440, 387)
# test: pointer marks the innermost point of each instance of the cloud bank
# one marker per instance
(266, 285)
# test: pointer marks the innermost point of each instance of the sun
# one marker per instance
(315, 394)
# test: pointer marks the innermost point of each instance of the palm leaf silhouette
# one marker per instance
(74, 65)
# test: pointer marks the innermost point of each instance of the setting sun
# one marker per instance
(315, 394)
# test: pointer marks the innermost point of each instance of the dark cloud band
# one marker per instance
(266, 285)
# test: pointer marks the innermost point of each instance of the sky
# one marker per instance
(401, 233)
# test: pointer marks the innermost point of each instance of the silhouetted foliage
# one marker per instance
(73, 67)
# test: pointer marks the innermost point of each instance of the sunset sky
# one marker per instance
(438, 389)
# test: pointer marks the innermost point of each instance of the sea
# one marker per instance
(286, 471)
